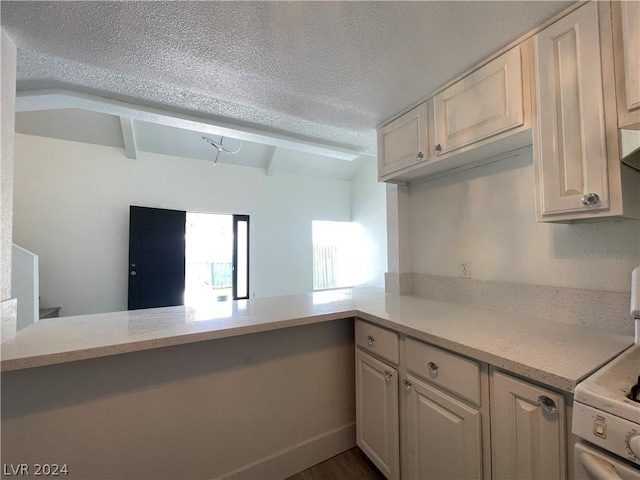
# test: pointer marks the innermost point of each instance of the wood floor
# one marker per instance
(350, 465)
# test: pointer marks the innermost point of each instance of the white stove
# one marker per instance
(606, 413)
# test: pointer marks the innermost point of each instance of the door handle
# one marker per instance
(547, 404)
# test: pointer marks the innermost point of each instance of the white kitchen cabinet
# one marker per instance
(479, 117)
(576, 152)
(404, 142)
(485, 103)
(377, 413)
(424, 412)
(528, 433)
(626, 42)
(444, 419)
(444, 439)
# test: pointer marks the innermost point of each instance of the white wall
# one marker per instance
(283, 253)
(369, 211)
(72, 209)
(487, 216)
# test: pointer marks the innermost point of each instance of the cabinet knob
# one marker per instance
(433, 368)
(133, 273)
(387, 375)
(419, 156)
(547, 404)
(590, 199)
(437, 149)
(407, 384)
(370, 340)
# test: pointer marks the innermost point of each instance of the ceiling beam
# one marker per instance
(34, 100)
(129, 138)
(271, 162)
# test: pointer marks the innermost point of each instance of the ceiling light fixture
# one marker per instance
(226, 145)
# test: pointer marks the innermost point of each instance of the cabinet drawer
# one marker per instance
(457, 374)
(377, 340)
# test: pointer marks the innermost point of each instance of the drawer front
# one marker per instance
(377, 340)
(457, 374)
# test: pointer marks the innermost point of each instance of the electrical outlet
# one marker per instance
(464, 269)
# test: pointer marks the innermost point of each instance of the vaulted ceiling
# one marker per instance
(325, 72)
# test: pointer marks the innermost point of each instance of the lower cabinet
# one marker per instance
(377, 413)
(446, 418)
(528, 436)
(444, 439)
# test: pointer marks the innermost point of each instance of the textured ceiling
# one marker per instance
(323, 71)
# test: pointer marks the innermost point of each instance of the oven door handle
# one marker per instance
(598, 468)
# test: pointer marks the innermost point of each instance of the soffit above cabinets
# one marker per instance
(78, 125)
(326, 72)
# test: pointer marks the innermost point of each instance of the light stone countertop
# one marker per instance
(554, 353)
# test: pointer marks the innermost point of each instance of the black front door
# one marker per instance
(156, 257)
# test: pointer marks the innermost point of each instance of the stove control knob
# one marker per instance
(634, 444)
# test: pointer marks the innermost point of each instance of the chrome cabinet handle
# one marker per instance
(133, 273)
(590, 199)
(437, 149)
(370, 340)
(407, 384)
(420, 156)
(387, 375)
(433, 368)
(547, 404)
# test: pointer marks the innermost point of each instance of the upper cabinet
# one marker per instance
(487, 102)
(626, 42)
(404, 142)
(570, 130)
(576, 151)
(568, 89)
(481, 115)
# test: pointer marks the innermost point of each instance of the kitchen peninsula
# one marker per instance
(255, 388)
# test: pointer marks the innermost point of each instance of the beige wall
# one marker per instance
(194, 411)
(486, 216)
(7, 117)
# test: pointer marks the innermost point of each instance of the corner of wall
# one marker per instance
(7, 117)
(398, 283)
(398, 231)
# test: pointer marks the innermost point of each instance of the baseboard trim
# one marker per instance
(298, 457)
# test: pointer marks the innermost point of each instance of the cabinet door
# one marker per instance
(444, 439)
(569, 134)
(485, 103)
(403, 142)
(377, 413)
(527, 441)
(626, 40)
